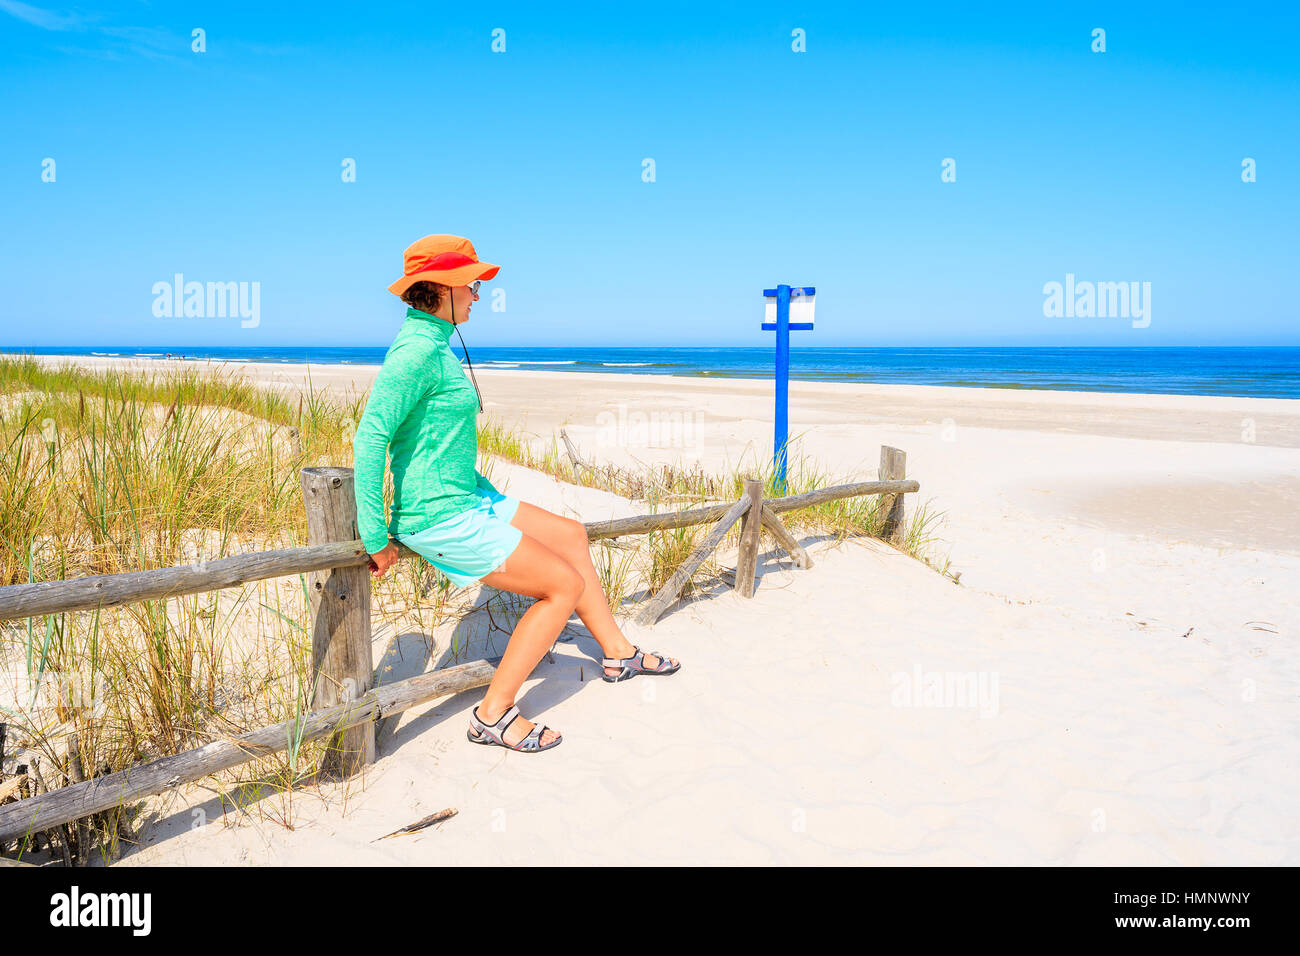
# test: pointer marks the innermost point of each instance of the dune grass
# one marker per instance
(114, 471)
(664, 485)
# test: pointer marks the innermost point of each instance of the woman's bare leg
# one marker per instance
(535, 571)
(568, 539)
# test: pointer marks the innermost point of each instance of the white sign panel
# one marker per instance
(802, 308)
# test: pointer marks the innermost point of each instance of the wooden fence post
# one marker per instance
(747, 562)
(893, 467)
(673, 586)
(342, 665)
(785, 539)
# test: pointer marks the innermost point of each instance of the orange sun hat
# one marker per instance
(449, 260)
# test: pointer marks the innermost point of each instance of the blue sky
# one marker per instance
(818, 168)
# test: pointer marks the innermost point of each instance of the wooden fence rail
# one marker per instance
(111, 590)
(103, 793)
(345, 706)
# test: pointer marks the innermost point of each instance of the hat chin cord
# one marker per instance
(451, 295)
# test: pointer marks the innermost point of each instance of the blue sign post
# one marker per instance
(777, 318)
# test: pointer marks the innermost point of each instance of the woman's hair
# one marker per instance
(425, 296)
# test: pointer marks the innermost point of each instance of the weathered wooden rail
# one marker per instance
(103, 793)
(346, 707)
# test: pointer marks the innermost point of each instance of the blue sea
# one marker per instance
(1262, 372)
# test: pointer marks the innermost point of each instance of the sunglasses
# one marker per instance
(473, 286)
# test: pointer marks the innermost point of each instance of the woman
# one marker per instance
(423, 411)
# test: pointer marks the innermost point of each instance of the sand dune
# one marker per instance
(1113, 681)
(864, 711)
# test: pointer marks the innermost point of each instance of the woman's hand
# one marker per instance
(383, 560)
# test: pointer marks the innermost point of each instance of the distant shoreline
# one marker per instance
(360, 376)
(1208, 371)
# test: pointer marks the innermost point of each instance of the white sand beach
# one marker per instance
(1127, 614)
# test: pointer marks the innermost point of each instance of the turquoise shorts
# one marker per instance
(472, 544)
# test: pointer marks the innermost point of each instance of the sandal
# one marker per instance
(636, 665)
(495, 734)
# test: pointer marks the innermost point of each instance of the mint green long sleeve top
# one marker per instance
(422, 414)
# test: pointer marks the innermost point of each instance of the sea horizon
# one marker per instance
(1245, 371)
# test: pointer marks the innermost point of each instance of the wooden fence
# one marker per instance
(346, 707)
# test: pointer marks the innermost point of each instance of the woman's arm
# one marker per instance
(407, 374)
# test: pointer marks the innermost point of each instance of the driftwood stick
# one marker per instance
(421, 824)
(578, 464)
(668, 593)
(126, 786)
(784, 538)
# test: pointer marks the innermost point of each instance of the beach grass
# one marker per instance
(113, 471)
